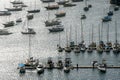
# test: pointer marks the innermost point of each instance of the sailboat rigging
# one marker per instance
(34, 10)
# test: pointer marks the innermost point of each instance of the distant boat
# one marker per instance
(40, 68)
(17, 2)
(19, 20)
(47, 1)
(21, 68)
(77, 0)
(50, 64)
(5, 13)
(9, 24)
(28, 30)
(83, 16)
(60, 14)
(52, 7)
(34, 10)
(30, 16)
(52, 22)
(59, 48)
(102, 67)
(56, 29)
(14, 9)
(59, 64)
(86, 8)
(67, 65)
(106, 19)
(62, 2)
(4, 32)
(30, 63)
(69, 4)
(116, 45)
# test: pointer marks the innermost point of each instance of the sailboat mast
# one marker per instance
(29, 45)
(59, 38)
(76, 35)
(116, 31)
(70, 32)
(66, 39)
(99, 32)
(108, 33)
(92, 32)
(81, 31)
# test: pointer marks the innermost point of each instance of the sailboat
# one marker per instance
(30, 16)
(101, 44)
(60, 14)
(59, 63)
(28, 30)
(40, 68)
(34, 10)
(76, 48)
(92, 44)
(67, 48)
(59, 48)
(52, 22)
(116, 45)
(62, 2)
(9, 23)
(82, 44)
(89, 49)
(108, 44)
(31, 62)
(77, 0)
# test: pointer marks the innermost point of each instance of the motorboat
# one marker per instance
(116, 8)
(62, 2)
(17, 2)
(52, 7)
(106, 19)
(101, 67)
(60, 14)
(52, 22)
(34, 11)
(110, 13)
(67, 65)
(46, 1)
(21, 68)
(40, 68)
(29, 31)
(14, 9)
(68, 4)
(9, 24)
(56, 29)
(4, 32)
(77, 0)
(5, 13)
(83, 16)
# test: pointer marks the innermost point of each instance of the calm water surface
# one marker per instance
(14, 47)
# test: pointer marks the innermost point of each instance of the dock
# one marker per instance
(79, 67)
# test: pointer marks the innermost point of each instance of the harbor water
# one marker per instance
(14, 48)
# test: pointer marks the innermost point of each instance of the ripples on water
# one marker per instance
(14, 48)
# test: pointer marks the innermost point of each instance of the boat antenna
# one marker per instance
(29, 45)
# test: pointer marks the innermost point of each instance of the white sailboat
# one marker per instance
(35, 10)
(26, 29)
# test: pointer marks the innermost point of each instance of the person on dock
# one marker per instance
(77, 66)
